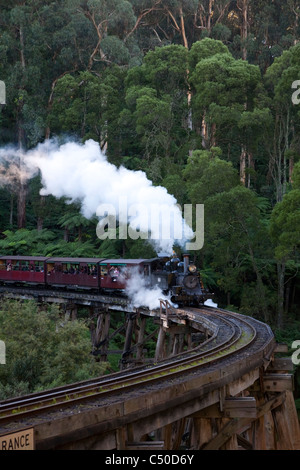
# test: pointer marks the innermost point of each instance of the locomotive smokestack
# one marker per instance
(186, 261)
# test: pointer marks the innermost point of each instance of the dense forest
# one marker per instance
(202, 96)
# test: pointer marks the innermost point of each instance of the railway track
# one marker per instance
(234, 336)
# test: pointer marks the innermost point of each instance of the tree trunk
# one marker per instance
(243, 7)
(250, 165)
(21, 138)
(204, 131)
(22, 205)
(243, 166)
(40, 219)
(210, 13)
(80, 233)
(291, 169)
(66, 234)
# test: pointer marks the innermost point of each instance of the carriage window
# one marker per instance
(114, 271)
(117, 270)
(103, 270)
(71, 268)
(39, 267)
(25, 266)
(93, 269)
(50, 268)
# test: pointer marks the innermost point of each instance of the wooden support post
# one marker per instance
(172, 434)
(121, 438)
(286, 424)
(70, 312)
(167, 436)
(292, 417)
(96, 330)
(201, 433)
(269, 431)
(283, 434)
(128, 340)
(159, 352)
(175, 344)
(67, 315)
(140, 338)
(74, 312)
(100, 333)
(178, 431)
(189, 340)
(258, 434)
(104, 335)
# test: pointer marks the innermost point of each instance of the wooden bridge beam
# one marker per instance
(282, 408)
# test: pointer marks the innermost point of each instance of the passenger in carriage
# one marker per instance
(114, 272)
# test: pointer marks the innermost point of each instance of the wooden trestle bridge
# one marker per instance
(217, 380)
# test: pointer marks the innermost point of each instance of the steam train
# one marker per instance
(179, 280)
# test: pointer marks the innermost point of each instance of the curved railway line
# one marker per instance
(236, 346)
(233, 334)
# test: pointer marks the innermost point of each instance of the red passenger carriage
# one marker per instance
(24, 269)
(115, 272)
(73, 272)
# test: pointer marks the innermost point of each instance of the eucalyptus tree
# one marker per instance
(239, 250)
(236, 245)
(284, 232)
(224, 89)
(156, 112)
(111, 21)
(284, 145)
(87, 107)
(36, 47)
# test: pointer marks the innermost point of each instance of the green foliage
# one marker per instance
(188, 95)
(296, 176)
(208, 175)
(24, 241)
(204, 49)
(42, 350)
(285, 225)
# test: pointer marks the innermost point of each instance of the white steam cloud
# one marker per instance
(142, 295)
(82, 172)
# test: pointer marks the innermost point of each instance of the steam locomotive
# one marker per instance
(179, 280)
